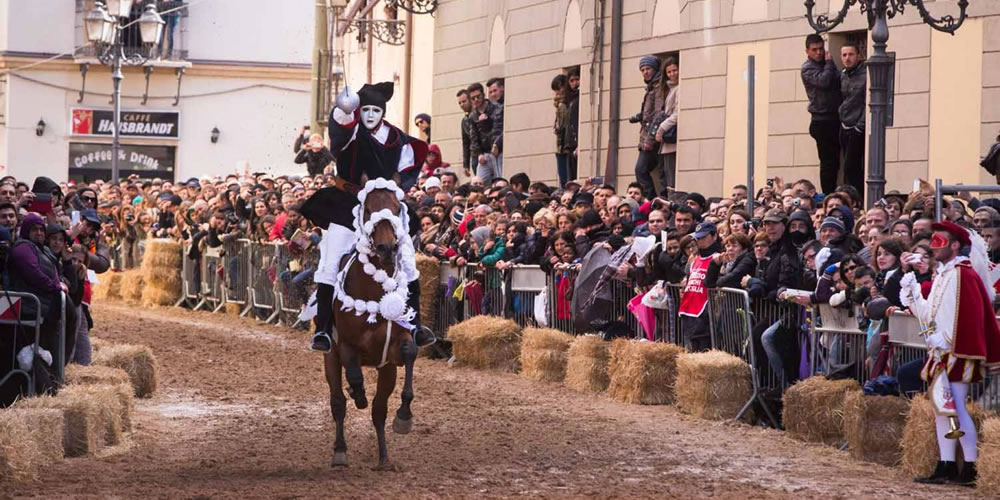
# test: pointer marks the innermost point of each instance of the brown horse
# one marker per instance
(361, 343)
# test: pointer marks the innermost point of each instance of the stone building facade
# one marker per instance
(947, 110)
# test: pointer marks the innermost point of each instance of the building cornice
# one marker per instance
(197, 67)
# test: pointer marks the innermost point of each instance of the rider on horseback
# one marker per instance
(365, 146)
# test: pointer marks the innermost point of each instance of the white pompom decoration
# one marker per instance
(389, 285)
(370, 269)
(372, 306)
(392, 306)
(380, 276)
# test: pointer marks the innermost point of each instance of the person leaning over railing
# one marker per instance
(728, 268)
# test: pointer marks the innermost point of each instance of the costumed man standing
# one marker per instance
(365, 146)
(963, 340)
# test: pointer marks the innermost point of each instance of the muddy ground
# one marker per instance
(242, 412)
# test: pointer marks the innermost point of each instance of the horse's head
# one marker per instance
(383, 237)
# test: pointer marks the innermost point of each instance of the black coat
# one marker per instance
(315, 161)
(744, 265)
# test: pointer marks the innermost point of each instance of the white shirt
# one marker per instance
(941, 305)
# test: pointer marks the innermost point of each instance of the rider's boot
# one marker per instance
(326, 328)
(422, 335)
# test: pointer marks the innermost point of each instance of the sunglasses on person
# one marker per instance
(89, 199)
(848, 269)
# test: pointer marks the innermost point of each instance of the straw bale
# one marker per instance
(920, 448)
(713, 385)
(642, 372)
(137, 360)
(232, 309)
(544, 354)
(109, 405)
(156, 295)
(988, 464)
(30, 438)
(162, 277)
(97, 344)
(82, 423)
(94, 374)
(132, 285)
(587, 364)
(814, 409)
(873, 426)
(486, 342)
(163, 253)
(429, 278)
(109, 287)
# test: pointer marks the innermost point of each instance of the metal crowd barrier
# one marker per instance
(263, 299)
(840, 349)
(13, 301)
(731, 327)
(559, 305)
(190, 279)
(237, 257)
(211, 281)
(526, 283)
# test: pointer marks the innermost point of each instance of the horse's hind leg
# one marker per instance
(380, 406)
(338, 406)
(355, 377)
(403, 422)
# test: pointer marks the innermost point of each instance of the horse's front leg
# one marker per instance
(355, 377)
(338, 405)
(380, 406)
(403, 422)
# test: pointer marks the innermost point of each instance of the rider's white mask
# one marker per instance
(371, 116)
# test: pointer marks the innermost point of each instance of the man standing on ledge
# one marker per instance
(853, 83)
(822, 83)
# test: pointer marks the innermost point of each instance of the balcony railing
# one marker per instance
(172, 46)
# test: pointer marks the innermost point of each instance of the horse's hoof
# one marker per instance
(360, 401)
(339, 459)
(400, 426)
(386, 466)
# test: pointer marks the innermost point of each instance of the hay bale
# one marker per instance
(642, 372)
(988, 464)
(94, 375)
(30, 439)
(873, 426)
(430, 271)
(543, 354)
(132, 285)
(233, 309)
(814, 409)
(137, 360)
(82, 422)
(97, 344)
(162, 277)
(153, 295)
(109, 405)
(920, 449)
(713, 385)
(486, 342)
(109, 287)
(163, 253)
(587, 364)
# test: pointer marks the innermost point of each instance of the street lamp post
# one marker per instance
(879, 66)
(105, 24)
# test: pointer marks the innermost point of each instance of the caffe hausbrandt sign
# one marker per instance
(142, 124)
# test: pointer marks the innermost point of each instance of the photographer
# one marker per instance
(315, 155)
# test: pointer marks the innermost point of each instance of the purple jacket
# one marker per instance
(27, 264)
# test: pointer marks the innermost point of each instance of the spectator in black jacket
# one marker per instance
(822, 83)
(486, 130)
(728, 268)
(589, 232)
(315, 155)
(468, 166)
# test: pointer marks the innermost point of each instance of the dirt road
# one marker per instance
(242, 412)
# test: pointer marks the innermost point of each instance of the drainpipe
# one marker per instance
(611, 167)
(408, 67)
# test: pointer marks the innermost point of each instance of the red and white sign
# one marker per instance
(10, 309)
(694, 298)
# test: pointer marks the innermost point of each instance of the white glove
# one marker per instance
(838, 298)
(908, 286)
(347, 100)
(937, 341)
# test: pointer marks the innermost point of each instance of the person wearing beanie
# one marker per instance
(697, 202)
(652, 106)
(590, 230)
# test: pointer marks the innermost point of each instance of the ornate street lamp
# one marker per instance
(879, 65)
(105, 26)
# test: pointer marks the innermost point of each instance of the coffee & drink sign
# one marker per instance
(143, 124)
